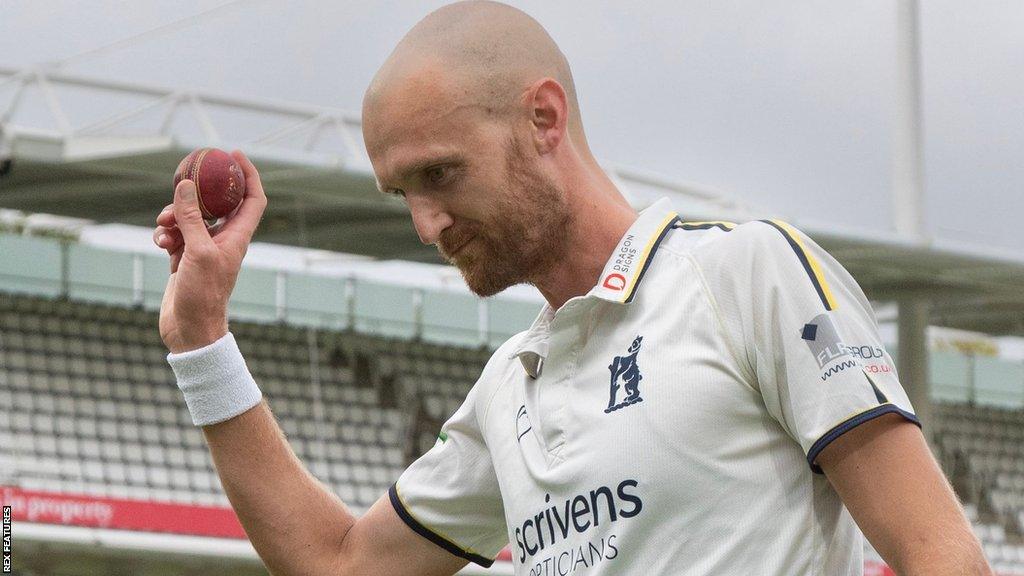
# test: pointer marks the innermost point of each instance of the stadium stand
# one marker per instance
(981, 451)
(91, 408)
(94, 408)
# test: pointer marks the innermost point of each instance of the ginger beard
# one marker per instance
(524, 239)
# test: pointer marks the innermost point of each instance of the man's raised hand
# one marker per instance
(204, 261)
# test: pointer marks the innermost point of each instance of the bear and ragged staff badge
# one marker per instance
(626, 369)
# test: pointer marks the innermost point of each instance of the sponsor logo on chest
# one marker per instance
(540, 539)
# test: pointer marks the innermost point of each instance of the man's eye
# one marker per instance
(436, 174)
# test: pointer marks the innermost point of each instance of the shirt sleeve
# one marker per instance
(450, 495)
(803, 330)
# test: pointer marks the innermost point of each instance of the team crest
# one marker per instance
(626, 370)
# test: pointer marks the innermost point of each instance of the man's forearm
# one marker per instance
(295, 524)
(974, 565)
(953, 557)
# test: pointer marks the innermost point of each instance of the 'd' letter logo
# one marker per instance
(614, 281)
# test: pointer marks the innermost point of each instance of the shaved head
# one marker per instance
(473, 121)
(489, 53)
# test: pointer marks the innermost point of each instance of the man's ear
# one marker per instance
(549, 114)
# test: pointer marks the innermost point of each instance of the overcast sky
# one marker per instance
(786, 104)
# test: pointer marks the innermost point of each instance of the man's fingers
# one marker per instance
(247, 217)
(167, 238)
(188, 216)
(166, 216)
(160, 234)
(251, 174)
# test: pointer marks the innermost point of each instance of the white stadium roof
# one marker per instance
(113, 168)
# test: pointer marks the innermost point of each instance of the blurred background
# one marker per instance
(890, 132)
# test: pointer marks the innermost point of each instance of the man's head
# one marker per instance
(473, 119)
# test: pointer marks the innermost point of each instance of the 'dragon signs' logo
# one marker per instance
(614, 281)
(625, 368)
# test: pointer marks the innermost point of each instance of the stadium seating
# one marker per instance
(982, 453)
(91, 407)
(94, 408)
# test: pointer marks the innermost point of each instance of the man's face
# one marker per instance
(472, 187)
(520, 240)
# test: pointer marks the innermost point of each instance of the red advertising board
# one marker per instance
(116, 513)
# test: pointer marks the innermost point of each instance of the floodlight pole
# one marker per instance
(908, 205)
(907, 168)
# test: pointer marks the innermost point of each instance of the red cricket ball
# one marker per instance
(220, 183)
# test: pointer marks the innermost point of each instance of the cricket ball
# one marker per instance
(220, 183)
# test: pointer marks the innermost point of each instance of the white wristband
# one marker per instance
(215, 380)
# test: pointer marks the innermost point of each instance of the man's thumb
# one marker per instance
(187, 214)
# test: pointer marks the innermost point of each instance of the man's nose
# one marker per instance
(428, 216)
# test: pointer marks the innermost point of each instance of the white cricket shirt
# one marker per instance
(668, 421)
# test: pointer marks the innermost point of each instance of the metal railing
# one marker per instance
(60, 268)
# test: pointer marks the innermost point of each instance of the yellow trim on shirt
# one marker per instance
(813, 262)
(643, 257)
(729, 225)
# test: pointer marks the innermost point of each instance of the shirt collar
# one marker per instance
(533, 348)
(628, 263)
(618, 282)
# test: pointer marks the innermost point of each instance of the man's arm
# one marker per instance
(895, 490)
(296, 525)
